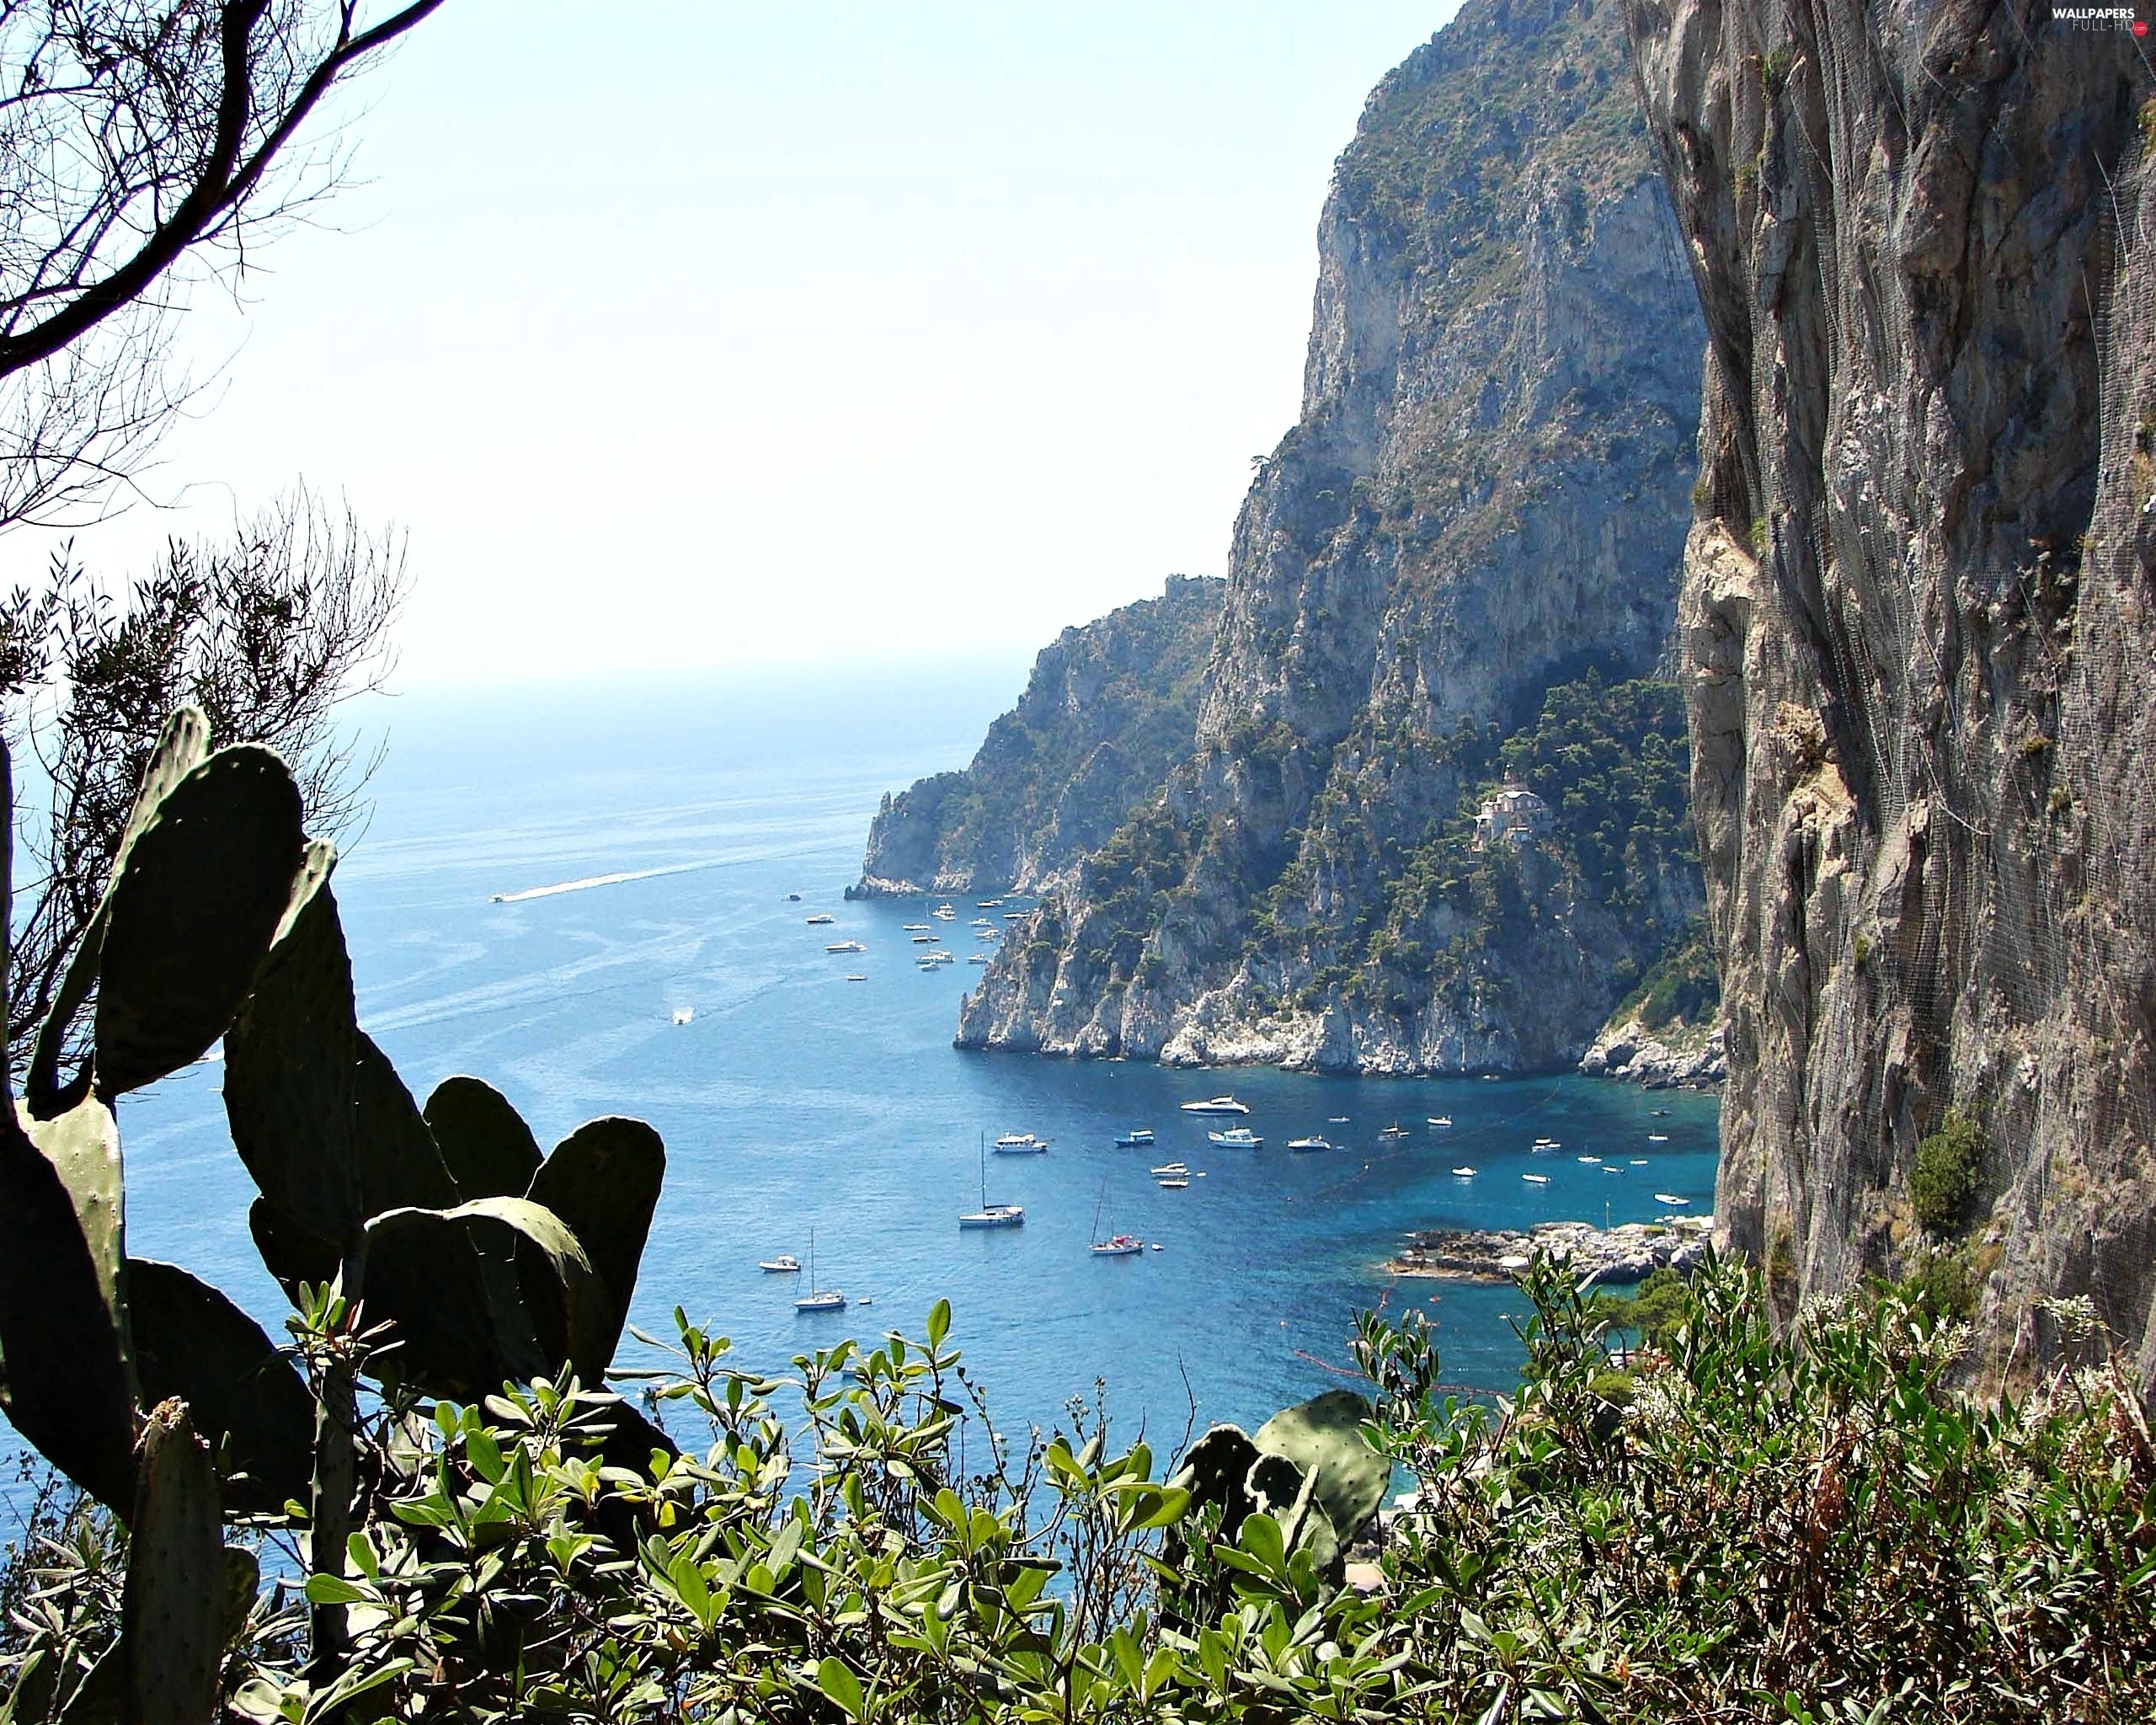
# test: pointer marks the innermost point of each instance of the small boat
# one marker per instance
(1659, 1114)
(1135, 1139)
(1392, 1134)
(979, 959)
(856, 979)
(1015, 916)
(1311, 1143)
(1657, 1138)
(1336, 1120)
(846, 946)
(1441, 1120)
(1020, 1143)
(990, 1215)
(1639, 1162)
(817, 1299)
(683, 1015)
(1116, 1245)
(1172, 1182)
(916, 927)
(924, 940)
(944, 913)
(1171, 1168)
(793, 898)
(1547, 1144)
(989, 904)
(1611, 1168)
(822, 919)
(1590, 1159)
(1465, 1173)
(1536, 1179)
(1672, 1198)
(784, 1264)
(1237, 1138)
(1218, 1105)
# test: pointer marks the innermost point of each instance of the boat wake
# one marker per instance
(593, 880)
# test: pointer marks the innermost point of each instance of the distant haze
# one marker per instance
(695, 337)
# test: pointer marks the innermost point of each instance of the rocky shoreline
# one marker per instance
(1677, 1057)
(1629, 1253)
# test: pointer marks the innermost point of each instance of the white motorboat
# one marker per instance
(1639, 1162)
(1136, 1138)
(1441, 1120)
(1657, 1138)
(784, 1264)
(817, 1299)
(1536, 1179)
(1020, 1143)
(924, 940)
(944, 913)
(1392, 1134)
(683, 1015)
(1172, 1182)
(1310, 1143)
(1237, 1138)
(979, 959)
(1672, 1199)
(822, 919)
(990, 904)
(1015, 916)
(916, 927)
(1465, 1173)
(846, 946)
(1218, 1105)
(990, 1215)
(1171, 1168)
(856, 979)
(1590, 1159)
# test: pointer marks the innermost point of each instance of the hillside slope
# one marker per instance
(1919, 639)
(1482, 503)
(1108, 710)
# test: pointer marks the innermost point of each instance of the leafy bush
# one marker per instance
(1948, 1170)
(1771, 1527)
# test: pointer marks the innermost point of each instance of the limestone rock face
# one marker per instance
(1918, 639)
(1109, 709)
(1482, 502)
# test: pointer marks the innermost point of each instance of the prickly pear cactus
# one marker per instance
(174, 1603)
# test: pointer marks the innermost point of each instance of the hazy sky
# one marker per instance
(706, 334)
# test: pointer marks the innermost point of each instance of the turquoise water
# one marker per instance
(795, 1100)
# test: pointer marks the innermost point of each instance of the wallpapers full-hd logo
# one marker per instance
(2100, 18)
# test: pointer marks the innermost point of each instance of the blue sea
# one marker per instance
(795, 1103)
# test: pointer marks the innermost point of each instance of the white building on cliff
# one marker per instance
(1514, 816)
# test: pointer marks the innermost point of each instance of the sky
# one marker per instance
(706, 337)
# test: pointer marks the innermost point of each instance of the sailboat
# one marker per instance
(990, 1215)
(817, 1299)
(1116, 1245)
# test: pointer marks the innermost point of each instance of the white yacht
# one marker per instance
(683, 1015)
(1135, 1139)
(822, 919)
(1673, 1201)
(1441, 1120)
(1237, 1138)
(1313, 1142)
(990, 1215)
(1171, 1168)
(1536, 1179)
(784, 1264)
(817, 1299)
(1021, 1144)
(1464, 1173)
(846, 946)
(1218, 1105)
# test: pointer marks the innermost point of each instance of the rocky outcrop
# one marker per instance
(1483, 502)
(1669, 1057)
(1108, 710)
(1630, 1251)
(1919, 628)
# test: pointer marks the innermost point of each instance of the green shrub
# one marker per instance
(1948, 1173)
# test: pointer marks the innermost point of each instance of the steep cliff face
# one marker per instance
(1918, 632)
(1109, 709)
(1482, 501)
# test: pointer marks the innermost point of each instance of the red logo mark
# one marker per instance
(2140, 27)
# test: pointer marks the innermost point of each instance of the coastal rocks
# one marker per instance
(1108, 710)
(1678, 1055)
(1458, 563)
(1918, 629)
(1629, 1253)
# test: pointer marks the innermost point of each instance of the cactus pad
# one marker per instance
(490, 1151)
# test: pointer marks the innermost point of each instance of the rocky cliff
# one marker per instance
(1108, 710)
(1919, 642)
(1482, 503)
